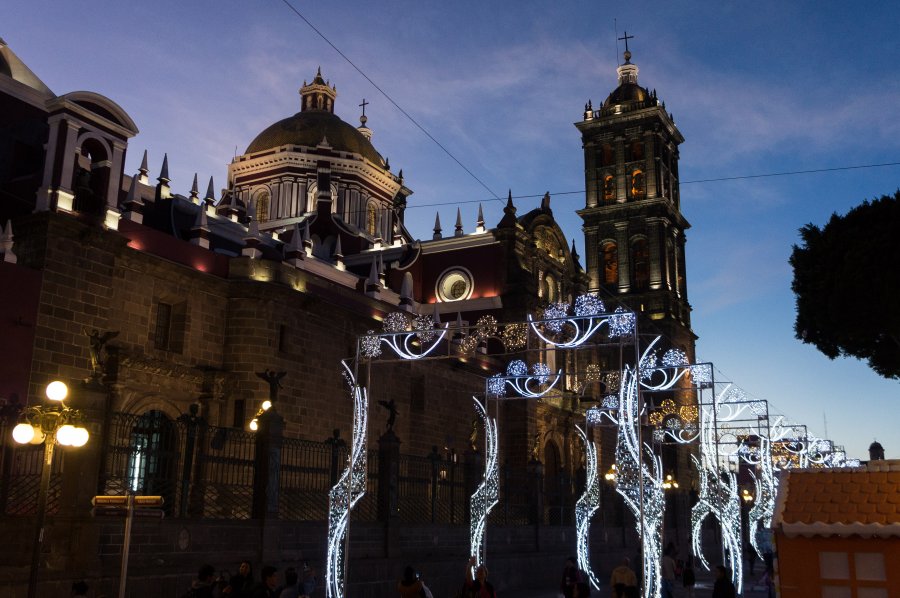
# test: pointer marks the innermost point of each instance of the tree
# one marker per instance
(847, 284)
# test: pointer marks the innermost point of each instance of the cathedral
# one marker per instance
(181, 319)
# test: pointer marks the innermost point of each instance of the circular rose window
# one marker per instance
(454, 284)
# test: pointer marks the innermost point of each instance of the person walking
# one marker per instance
(203, 586)
(477, 585)
(241, 584)
(622, 578)
(409, 585)
(291, 589)
(268, 584)
(688, 577)
(668, 572)
(723, 588)
(571, 576)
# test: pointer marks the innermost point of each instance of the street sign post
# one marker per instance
(128, 506)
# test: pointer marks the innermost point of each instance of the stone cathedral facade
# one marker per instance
(206, 294)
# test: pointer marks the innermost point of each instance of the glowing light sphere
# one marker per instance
(424, 327)
(674, 358)
(65, 434)
(688, 413)
(397, 321)
(517, 367)
(701, 374)
(541, 371)
(514, 336)
(592, 373)
(254, 424)
(648, 363)
(266, 405)
(468, 345)
(612, 381)
(610, 402)
(57, 391)
(370, 345)
(553, 312)
(588, 305)
(496, 386)
(80, 437)
(23, 433)
(486, 327)
(621, 323)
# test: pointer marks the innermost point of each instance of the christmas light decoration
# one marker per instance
(514, 336)
(639, 485)
(525, 385)
(621, 323)
(486, 327)
(674, 358)
(347, 491)
(370, 345)
(485, 496)
(764, 507)
(718, 487)
(406, 336)
(588, 305)
(586, 506)
(581, 326)
(702, 374)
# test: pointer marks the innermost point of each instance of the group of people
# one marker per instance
(293, 583)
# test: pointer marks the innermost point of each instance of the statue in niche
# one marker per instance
(536, 447)
(274, 380)
(391, 406)
(609, 188)
(473, 436)
(96, 344)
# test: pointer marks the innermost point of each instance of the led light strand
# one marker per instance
(764, 507)
(586, 506)
(486, 495)
(635, 481)
(347, 491)
(525, 385)
(588, 318)
(409, 337)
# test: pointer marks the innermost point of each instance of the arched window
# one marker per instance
(640, 265)
(548, 286)
(606, 155)
(609, 188)
(91, 177)
(637, 184)
(371, 219)
(262, 206)
(610, 255)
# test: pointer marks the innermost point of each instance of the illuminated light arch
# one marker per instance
(486, 495)
(586, 506)
(347, 491)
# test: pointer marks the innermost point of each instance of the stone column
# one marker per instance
(388, 475)
(267, 468)
(623, 180)
(623, 252)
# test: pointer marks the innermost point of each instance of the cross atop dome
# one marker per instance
(318, 95)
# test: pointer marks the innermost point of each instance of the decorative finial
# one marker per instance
(210, 196)
(164, 171)
(363, 119)
(458, 232)
(437, 226)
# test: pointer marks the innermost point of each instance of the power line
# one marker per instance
(391, 100)
(714, 180)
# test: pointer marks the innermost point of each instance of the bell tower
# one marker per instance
(633, 226)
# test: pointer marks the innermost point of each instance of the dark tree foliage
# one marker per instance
(847, 283)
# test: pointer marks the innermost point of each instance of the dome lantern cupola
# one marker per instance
(317, 96)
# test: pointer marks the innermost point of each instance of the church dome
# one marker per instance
(316, 122)
(309, 128)
(627, 92)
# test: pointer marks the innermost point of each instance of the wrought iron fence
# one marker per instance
(20, 468)
(208, 472)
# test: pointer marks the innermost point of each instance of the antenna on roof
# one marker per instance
(616, 28)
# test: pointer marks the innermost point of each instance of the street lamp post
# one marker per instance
(51, 425)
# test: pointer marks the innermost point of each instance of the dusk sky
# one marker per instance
(755, 88)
